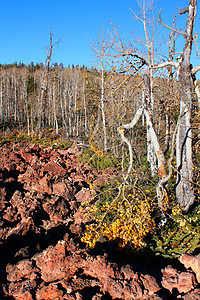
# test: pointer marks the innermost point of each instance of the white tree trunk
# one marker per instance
(102, 109)
(156, 147)
(184, 188)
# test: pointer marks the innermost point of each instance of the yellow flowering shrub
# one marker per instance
(123, 218)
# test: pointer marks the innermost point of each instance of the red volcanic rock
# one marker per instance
(78, 177)
(27, 156)
(53, 168)
(150, 284)
(10, 214)
(128, 274)
(24, 205)
(76, 284)
(2, 197)
(82, 215)
(56, 209)
(76, 229)
(61, 189)
(83, 196)
(170, 278)
(21, 228)
(97, 297)
(23, 269)
(49, 292)
(112, 281)
(21, 290)
(28, 178)
(44, 186)
(192, 262)
(193, 295)
(184, 282)
(51, 262)
(99, 268)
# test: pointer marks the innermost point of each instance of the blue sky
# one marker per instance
(25, 25)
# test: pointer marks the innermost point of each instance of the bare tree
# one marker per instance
(184, 186)
(101, 48)
(45, 80)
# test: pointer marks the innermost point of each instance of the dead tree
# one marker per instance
(184, 186)
(143, 109)
(45, 81)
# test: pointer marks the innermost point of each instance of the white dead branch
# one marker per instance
(159, 154)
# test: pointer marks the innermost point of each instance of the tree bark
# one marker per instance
(184, 187)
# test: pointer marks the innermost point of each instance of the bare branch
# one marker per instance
(183, 11)
(171, 28)
(121, 131)
(135, 119)
(166, 64)
(195, 69)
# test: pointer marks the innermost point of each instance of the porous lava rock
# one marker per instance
(193, 262)
(184, 282)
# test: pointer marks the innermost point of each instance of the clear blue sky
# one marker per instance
(25, 25)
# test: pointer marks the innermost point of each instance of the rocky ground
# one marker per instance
(41, 255)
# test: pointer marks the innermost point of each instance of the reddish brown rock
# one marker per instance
(78, 177)
(2, 197)
(83, 196)
(21, 290)
(193, 295)
(49, 292)
(112, 281)
(97, 297)
(81, 216)
(184, 282)
(29, 178)
(192, 262)
(76, 284)
(27, 156)
(128, 274)
(76, 229)
(24, 205)
(53, 168)
(23, 269)
(51, 262)
(150, 284)
(56, 209)
(10, 214)
(61, 189)
(21, 228)
(44, 185)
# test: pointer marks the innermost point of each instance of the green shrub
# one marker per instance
(181, 234)
(99, 161)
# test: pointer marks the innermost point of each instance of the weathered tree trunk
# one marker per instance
(102, 108)
(85, 114)
(157, 150)
(62, 110)
(167, 132)
(148, 98)
(184, 187)
(54, 108)
(1, 109)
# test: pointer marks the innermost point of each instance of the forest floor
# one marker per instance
(42, 222)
